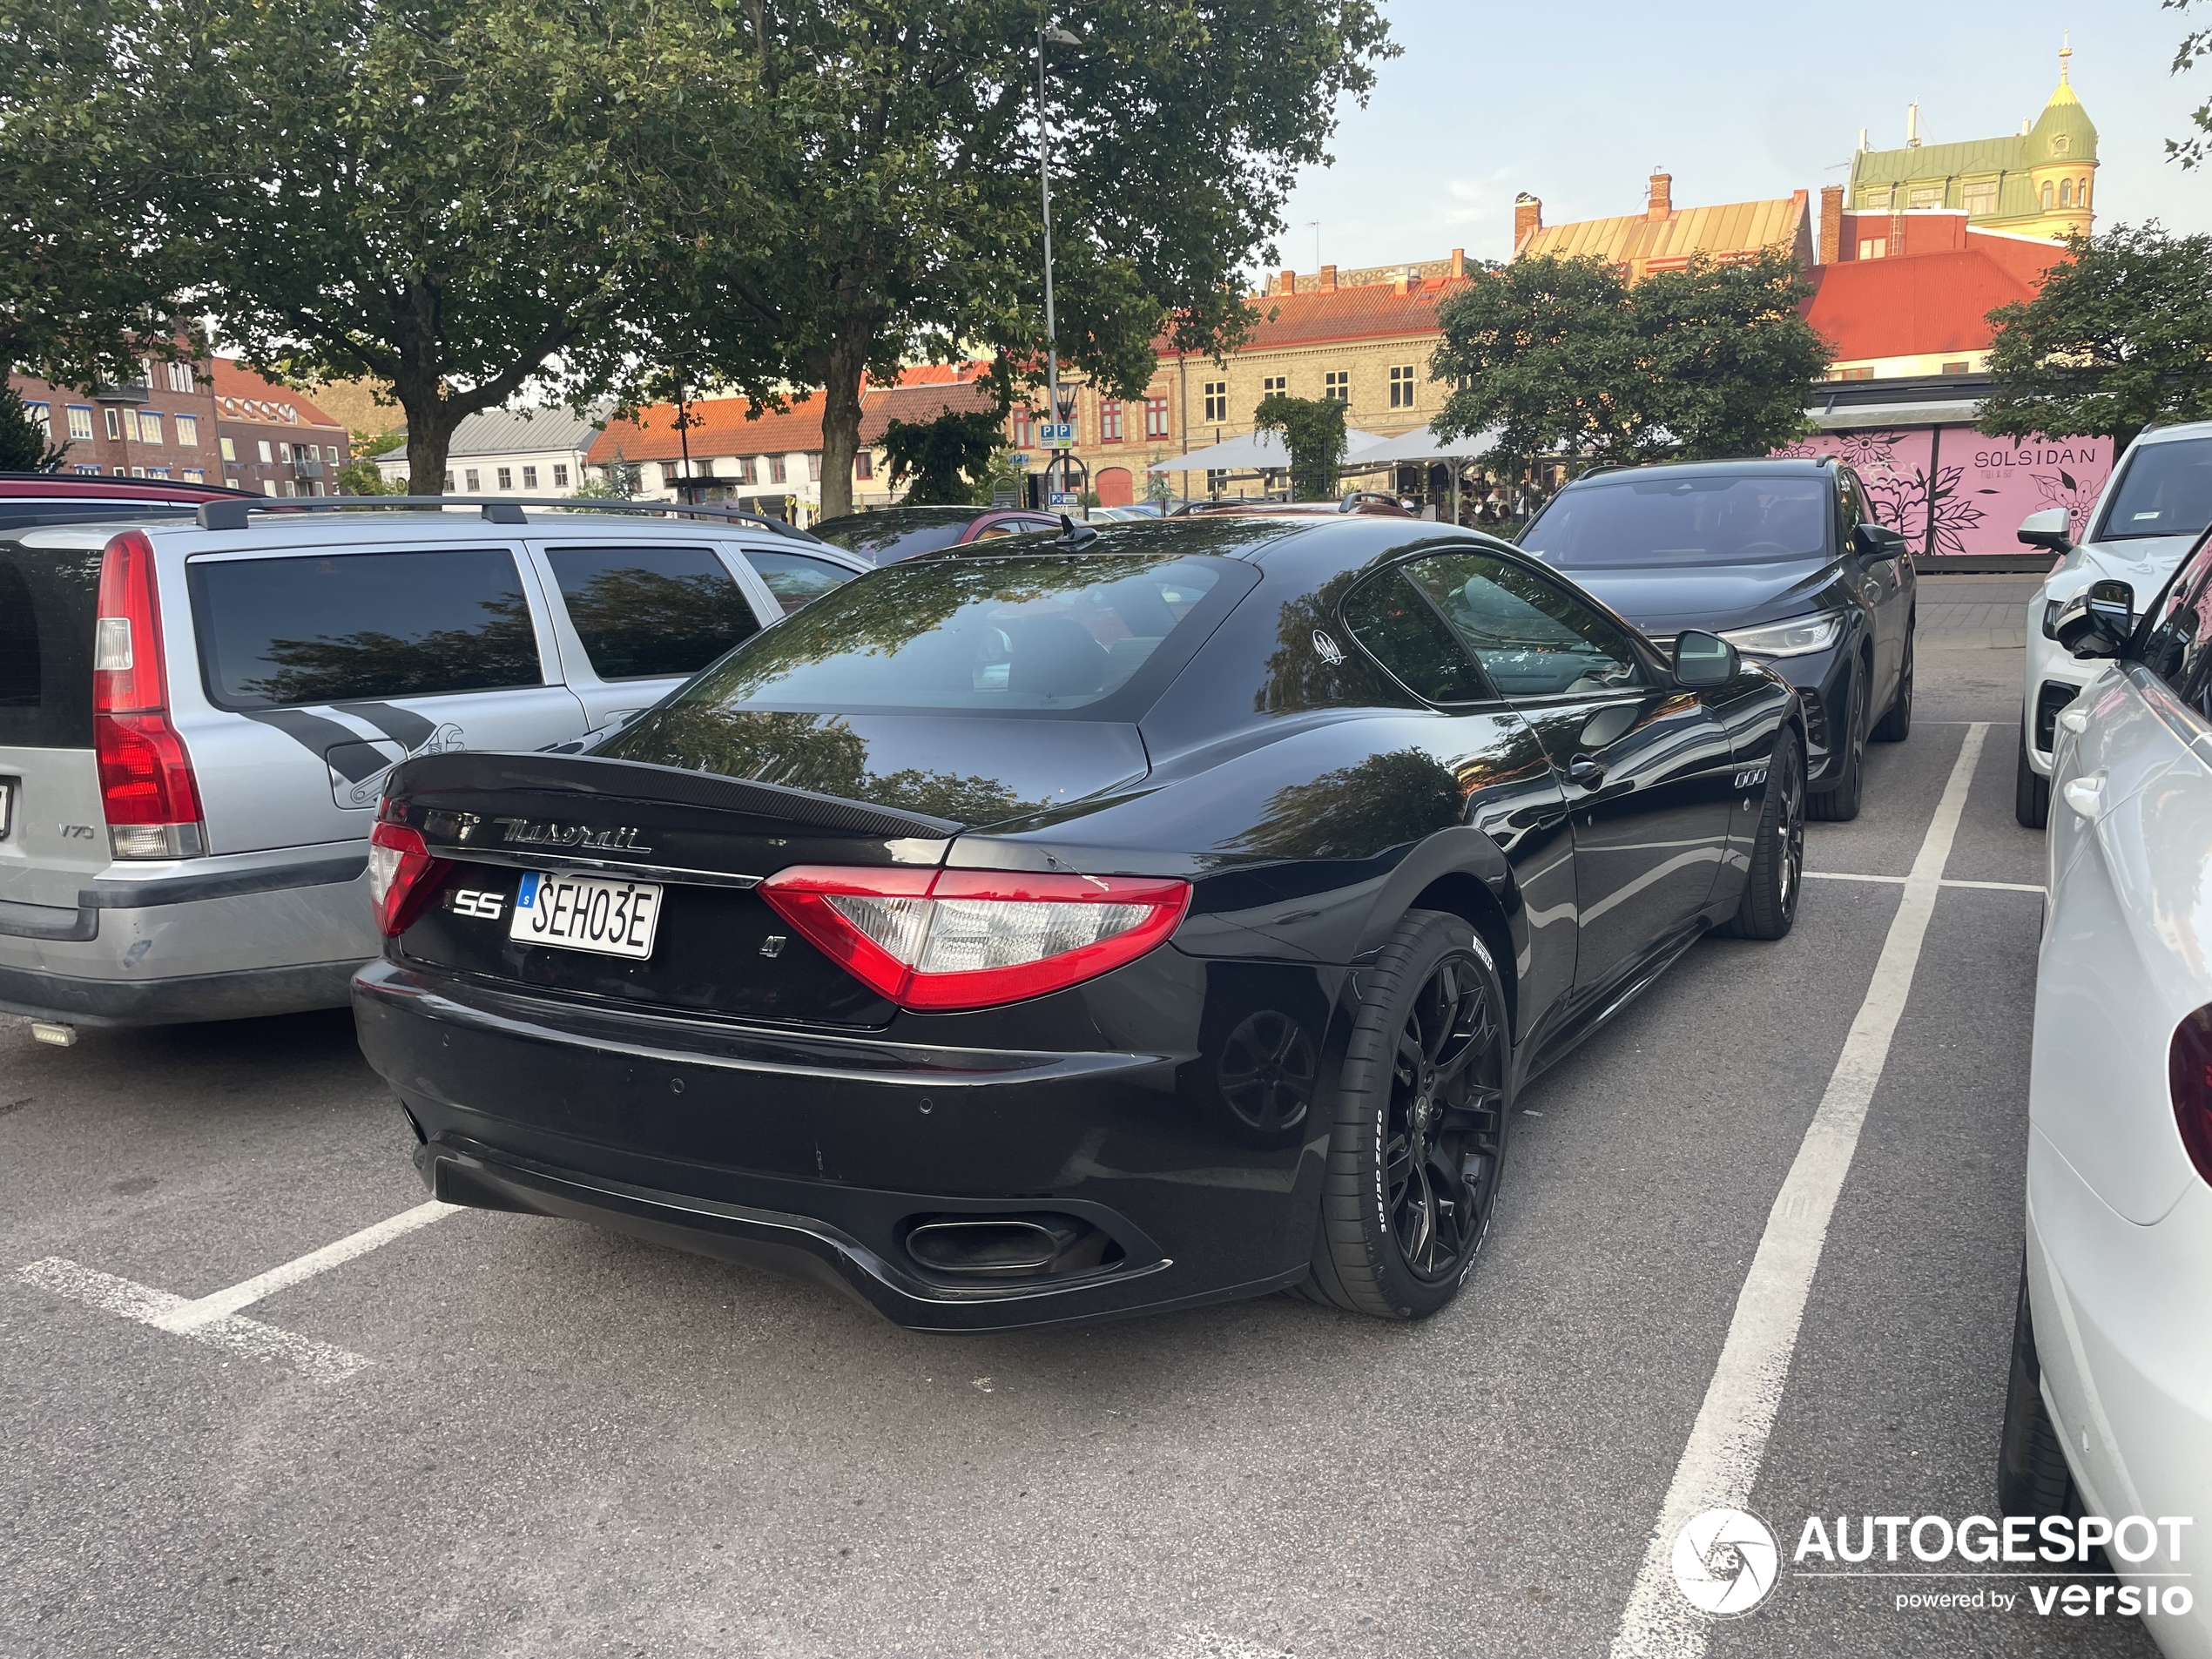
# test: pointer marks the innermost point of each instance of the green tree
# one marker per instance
(359, 477)
(25, 444)
(2118, 338)
(1313, 430)
(1567, 357)
(948, 458)
(2191, 151)
(88, 283)
(903, 137)
(452, 197)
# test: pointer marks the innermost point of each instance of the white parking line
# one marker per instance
(214, 1319)
(1899, 881)
(1726, 1444)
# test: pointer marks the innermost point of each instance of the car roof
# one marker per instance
(280, 531)
(29, 486)
(2177, 433)
(1748, 467)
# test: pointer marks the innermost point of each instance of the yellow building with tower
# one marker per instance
(2040, 181)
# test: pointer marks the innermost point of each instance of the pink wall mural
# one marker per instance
(1977, 489)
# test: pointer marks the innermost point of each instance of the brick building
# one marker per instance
(161, 424)
(273, 439)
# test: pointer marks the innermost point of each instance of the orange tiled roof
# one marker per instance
(1925, 303)
(719, 425)
(240, 393)
(924, 401)
(1367, 311)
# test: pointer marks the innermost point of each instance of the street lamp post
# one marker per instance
(1061, 37)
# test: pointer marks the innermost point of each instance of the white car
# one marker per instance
(2158, 498)
(2111, 1399)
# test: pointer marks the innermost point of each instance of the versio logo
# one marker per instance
(1726, 1561)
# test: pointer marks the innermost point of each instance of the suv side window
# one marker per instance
(643, 612)
(2178, 645)
(1531, 638)
(794, 578)
(1402, 631)
(348, 626)
(1850, 507)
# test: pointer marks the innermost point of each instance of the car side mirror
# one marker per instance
(1702, 659)
(1879, 541)
(2099, 622)
(2047, 528)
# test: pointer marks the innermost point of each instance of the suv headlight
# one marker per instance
(1799, 637)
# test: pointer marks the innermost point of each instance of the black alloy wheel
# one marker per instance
(1840, 804)
(1897, 725)
(1418, 1145)
(1778, 874)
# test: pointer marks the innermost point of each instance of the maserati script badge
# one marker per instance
(552, 833)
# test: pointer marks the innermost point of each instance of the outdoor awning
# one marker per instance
(1423, 444)
(1255, 452)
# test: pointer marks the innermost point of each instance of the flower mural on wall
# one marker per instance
(2062, 488)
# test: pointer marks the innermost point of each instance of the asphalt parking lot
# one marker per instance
(493, 1434)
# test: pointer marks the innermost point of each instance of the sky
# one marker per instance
(1578, 101)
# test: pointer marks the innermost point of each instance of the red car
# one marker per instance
(898, 533)
(64, 497)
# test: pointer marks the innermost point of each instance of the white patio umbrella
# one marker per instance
(1256, 452)
(1422, 444)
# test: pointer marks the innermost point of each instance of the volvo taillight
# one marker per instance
(2188, 1076)
(147, 785)
(944, 940)
(402, 875)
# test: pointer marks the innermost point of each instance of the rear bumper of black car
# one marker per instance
(816, 1156)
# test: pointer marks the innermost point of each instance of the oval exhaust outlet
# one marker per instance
(1004, 1246)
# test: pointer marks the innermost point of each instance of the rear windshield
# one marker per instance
(334, 628)
(48, 598)
(1001, 636)
(1671, 521)
(2165, 490)
(887, 537)
(643, 611)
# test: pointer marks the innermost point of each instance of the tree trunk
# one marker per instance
(847, 360)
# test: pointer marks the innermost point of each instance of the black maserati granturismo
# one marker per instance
(1065, 928)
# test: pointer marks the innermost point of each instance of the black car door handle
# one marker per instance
(1586, 772)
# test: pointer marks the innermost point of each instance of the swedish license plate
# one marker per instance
(600, 913)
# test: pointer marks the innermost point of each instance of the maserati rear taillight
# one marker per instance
(402, 875)
(2188, 1074)
(943, 940)
(147, 785)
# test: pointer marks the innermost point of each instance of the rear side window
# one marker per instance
(647, 612)
(1403, 632)
(2166, 490)
(48, 598)
(794, 578)
(352, 625)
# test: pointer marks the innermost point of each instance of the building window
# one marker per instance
(194, 475)
(1874, 196)
(80, 420)
(1110, 420)
(330, 453)
(449, 484)
(1155, 418)
(2082, 194)
(266, 457)
(1336, 385)
(1275, 385)
(1024, 428)
(114, 423)
(149, 427)
(1401, 387)
(1980, 199)
(813, 466)
(1962, 366)
(268, 486)
(744, 470)
(507, 477)
(188, 431)
(2046, 195)
(864, 465)
(776, 469)
(88, 472)
(157, 472)
(2059, 143)
(1216, 392)
(180, 377)
(43, 414)
(1876, 248)
(560, 475)
(467, 473)
(529, 477)
(1924, 196)
(229, 450)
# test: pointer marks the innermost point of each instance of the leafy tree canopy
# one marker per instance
(902, 133)
(25, 444)
(1564, 356)
(1313, 430)
(947, 458)
(2118, 338)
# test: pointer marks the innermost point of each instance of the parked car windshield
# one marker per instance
(2165, 490)
(1672, 520)
(898, 532)
(1000, 636)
